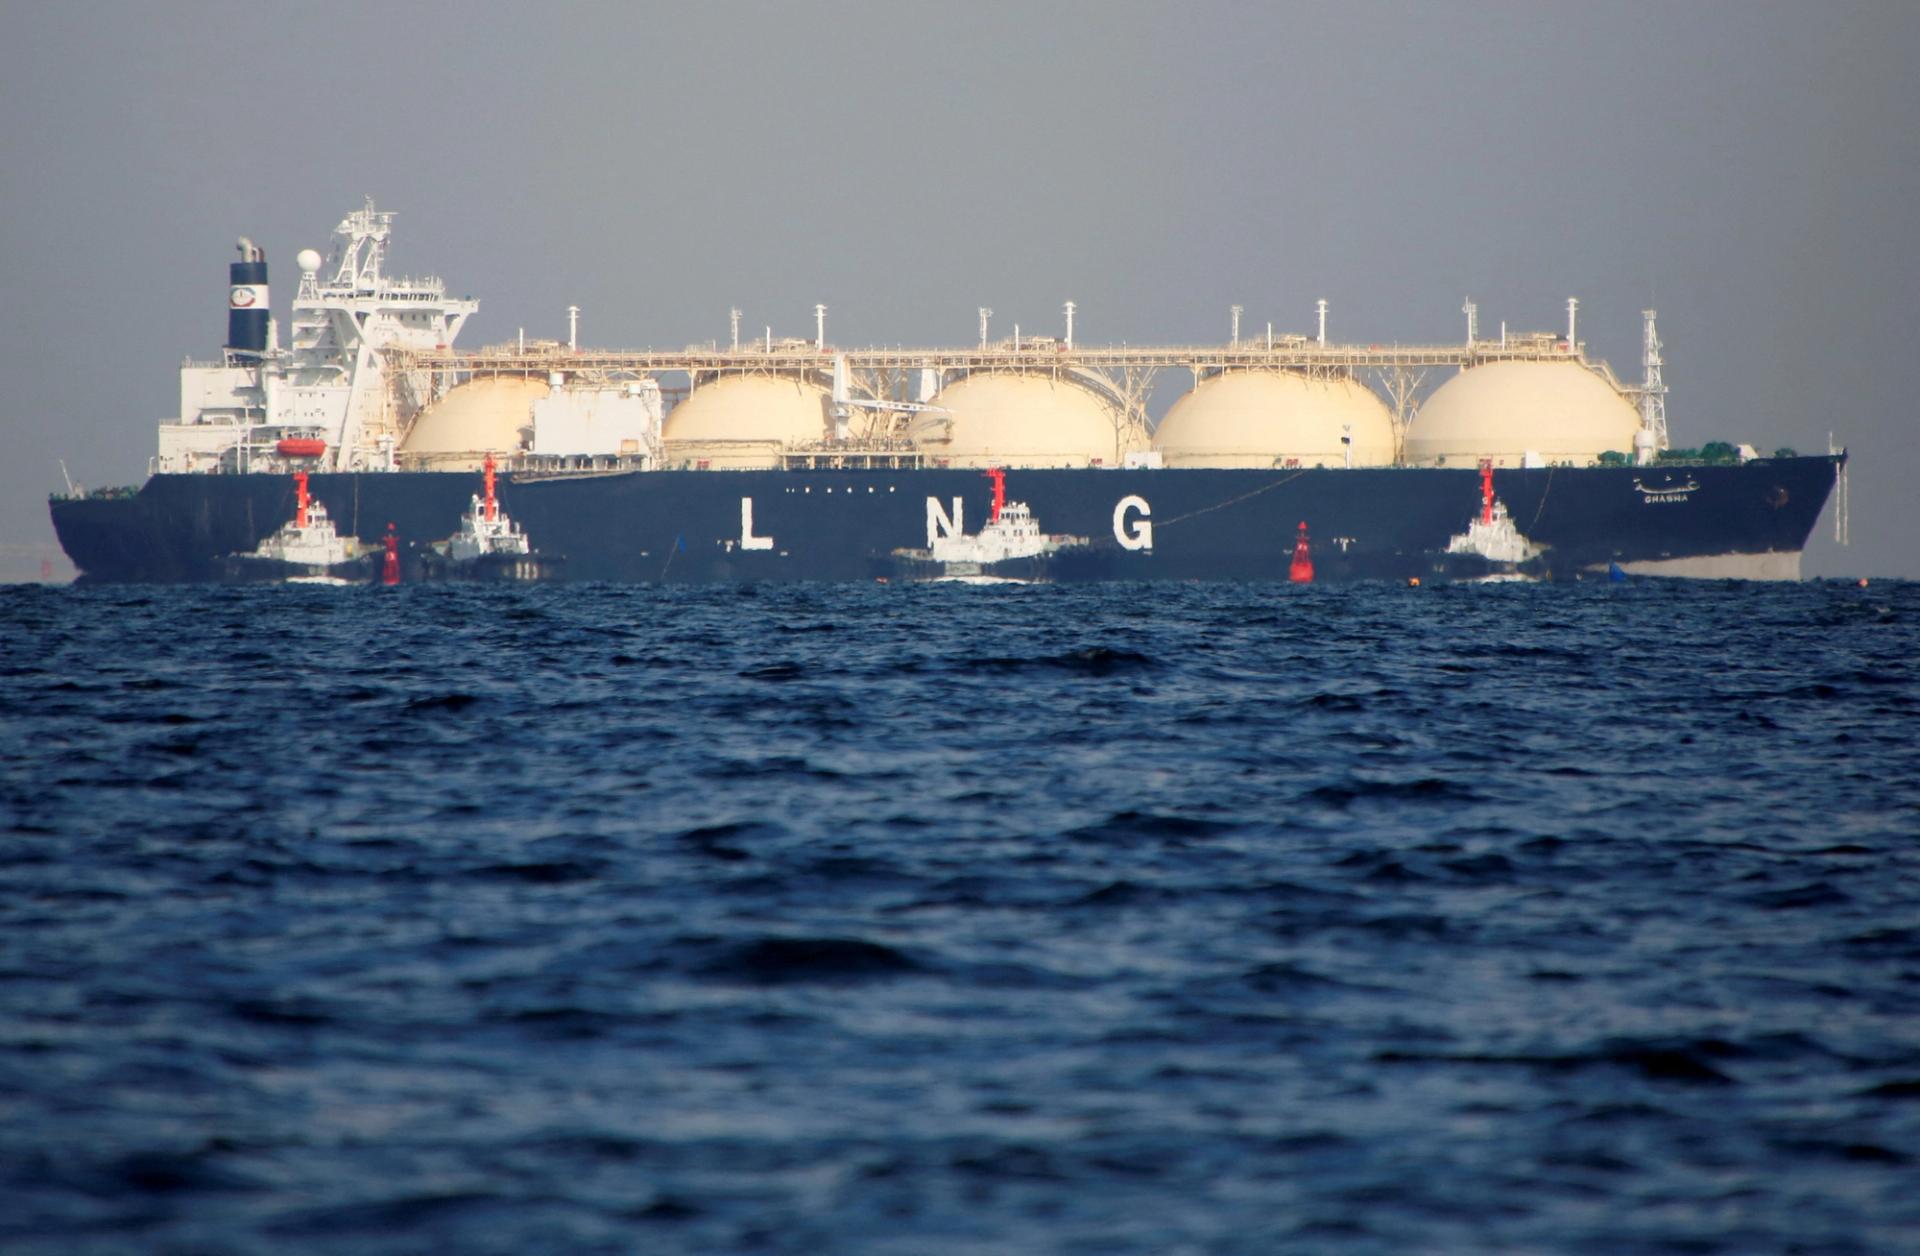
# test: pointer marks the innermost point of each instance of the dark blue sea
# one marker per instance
(862, 919)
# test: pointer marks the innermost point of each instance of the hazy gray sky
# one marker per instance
(1752, 169)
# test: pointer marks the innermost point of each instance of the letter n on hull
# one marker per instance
(940, 523)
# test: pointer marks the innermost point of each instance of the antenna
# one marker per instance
(1842, 528)
(820, 327)
(733, 316)
(573, 328)
(1322, 304)
(1237, 311)
(1573, 309)
(1653, 389)
(72, 493)
(985, 314)
(1472, 312)
(1069, 308)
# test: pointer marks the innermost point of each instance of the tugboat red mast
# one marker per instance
(488, 468)
(999, 477)
(301, 499)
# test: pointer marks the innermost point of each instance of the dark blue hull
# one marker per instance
(1387, 523)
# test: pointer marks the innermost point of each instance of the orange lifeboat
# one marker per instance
(301, 447)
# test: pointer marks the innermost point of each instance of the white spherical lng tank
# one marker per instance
(489, 415)
(1005, 419)
(741, 422)
(1275, 418)
(1560, 412)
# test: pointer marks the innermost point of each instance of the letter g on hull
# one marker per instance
(1133, 523)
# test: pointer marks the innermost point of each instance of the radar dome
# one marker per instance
(1020, 420)
(744, 421)
(489, 415)
(308, 260)
(1275, 418)
(1560, 411)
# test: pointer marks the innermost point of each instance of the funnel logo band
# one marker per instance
(245, 296)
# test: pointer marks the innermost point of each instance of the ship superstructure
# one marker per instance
(331, 399)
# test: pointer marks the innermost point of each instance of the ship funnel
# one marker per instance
(247, 304)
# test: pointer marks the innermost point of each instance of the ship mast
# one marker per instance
(1653, 391)
(363, 234)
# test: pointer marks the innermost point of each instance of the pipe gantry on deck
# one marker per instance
(1289, 355)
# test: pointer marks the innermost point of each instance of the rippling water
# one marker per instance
(883, 919)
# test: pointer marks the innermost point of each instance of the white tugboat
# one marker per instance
(1010, 549)
(304, 550)
(1493, 538)
(489, 545)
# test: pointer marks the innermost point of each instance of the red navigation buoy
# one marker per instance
(390, 569)
(1301, 572)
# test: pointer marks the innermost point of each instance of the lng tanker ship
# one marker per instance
(791, 459)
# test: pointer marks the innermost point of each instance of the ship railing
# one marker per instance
(880, 454)
(573, 466)
(116, 492)
(882, 444)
